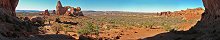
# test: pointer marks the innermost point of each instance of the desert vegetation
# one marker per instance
(120, 24)
(68, 22)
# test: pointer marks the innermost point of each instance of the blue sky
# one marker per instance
(113, 5)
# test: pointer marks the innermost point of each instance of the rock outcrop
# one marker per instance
(60, 10)
(210, 22)
(11, 26)
(165, 13)
(186, 14)
(205, 29)
(196, 11)
(78, 12)
(46, 13)
(9, 5)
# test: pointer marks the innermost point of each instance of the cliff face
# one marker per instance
(210, 18)
(205, 29)
(7, 11)
(9, 5)
(10, 25)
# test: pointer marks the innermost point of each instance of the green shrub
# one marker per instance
(89, 29)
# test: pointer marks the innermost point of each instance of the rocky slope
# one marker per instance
(205, 29)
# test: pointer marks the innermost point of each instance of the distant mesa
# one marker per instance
(187, 14)
(182, 12)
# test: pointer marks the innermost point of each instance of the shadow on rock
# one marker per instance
(205, 29)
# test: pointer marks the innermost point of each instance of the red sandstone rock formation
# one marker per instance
(60, 10)
(26, 18)
(210, 18)
(165, 13)
(187, 14)
(67, 13)
(7, 11)
(184, 12)
(46, 13)
(65, 9)
(72, 10)
(9, 5)
(78, 12)
(11, 26)
(78, 9)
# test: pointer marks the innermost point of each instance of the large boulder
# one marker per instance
(78, 12)
(37, 19)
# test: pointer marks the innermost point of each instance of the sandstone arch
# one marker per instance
(60, 10)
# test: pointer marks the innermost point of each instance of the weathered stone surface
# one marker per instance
(165, 13)
(67, 13)
(46, 13)
(72, 10)
(7, 11)
(59, 8)
(9, 5)
(210, 18)
(36, 19)
(78, 12)
(10, 25)
(65, 9)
